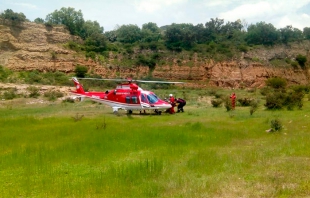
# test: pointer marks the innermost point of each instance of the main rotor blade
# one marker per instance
(132, 80)
(154, 81)
(110, 79)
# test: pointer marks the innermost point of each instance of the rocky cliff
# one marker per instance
(31, 46)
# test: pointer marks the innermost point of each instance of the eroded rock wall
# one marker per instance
(31, 46)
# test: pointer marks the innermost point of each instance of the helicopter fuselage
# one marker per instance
(127, 96)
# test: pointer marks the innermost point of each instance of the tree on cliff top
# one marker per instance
(13, 16)
(262, 33)
(69, 17)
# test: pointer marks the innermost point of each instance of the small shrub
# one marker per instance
(227, 103)
(69, 100)
(216, 102)
(243, 48)
(212, 92)
(294, 64)
(77, 117)
(276, 83)
(245, 102)
(276, 125)
(4, 73)
(92, 55)
(301, 60)
(265, 91)
(218, 95)
(254, 106)
(53, 55)
(33, 91)
(301, 88)
(53, 95)
(10, 94)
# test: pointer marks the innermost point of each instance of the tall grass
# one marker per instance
(204, 152)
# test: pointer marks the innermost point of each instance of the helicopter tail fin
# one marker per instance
(78, 86)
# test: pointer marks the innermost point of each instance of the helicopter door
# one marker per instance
(144, 101)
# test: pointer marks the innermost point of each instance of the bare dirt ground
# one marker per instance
(23, 88)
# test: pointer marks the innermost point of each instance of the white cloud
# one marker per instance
(151, 6)
(26, 5)
(297, 21)
(277, 12)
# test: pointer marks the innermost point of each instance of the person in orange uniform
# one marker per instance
(172, 102)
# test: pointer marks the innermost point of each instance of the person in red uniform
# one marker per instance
(172, 102)
(233, 100)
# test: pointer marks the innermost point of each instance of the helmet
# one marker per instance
(170, 95)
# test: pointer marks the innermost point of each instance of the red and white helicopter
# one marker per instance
(127, 96)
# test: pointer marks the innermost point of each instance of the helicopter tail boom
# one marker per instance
(78, 86)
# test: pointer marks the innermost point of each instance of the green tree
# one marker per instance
(13, 16)
(39, 20)
(262, 33)
(96, 42)
(89, 28)
(150, 32)
(213, 29)
(230, 29)
(289, 34)
(179, 36)
(80, 71)
(72, 19)
(306, 33)
(111, 35)
(128, 33)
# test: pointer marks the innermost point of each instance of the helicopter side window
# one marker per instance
(152, 98)
(143, 98)
(127, 99)
(134, 99)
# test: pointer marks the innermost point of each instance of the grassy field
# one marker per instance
(46, 151)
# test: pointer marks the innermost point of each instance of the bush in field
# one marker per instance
(290, 99)
(53, 95)
(254, 106)
(275, 100)
(276, 125)
(216, 102)
(301, 88)
(227, 103)
(294, 98)
(245, 102)
(212, 92)
(266, 90)
(33, 91)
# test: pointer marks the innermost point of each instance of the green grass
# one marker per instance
(204, 152)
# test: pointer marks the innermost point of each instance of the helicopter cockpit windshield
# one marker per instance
(152, 98)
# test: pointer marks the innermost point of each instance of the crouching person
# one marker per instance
(181, 103)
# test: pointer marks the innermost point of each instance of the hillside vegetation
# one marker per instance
(215, 39)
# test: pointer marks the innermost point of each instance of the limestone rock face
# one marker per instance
(30, 46)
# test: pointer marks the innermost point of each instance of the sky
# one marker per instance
(111, 14)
